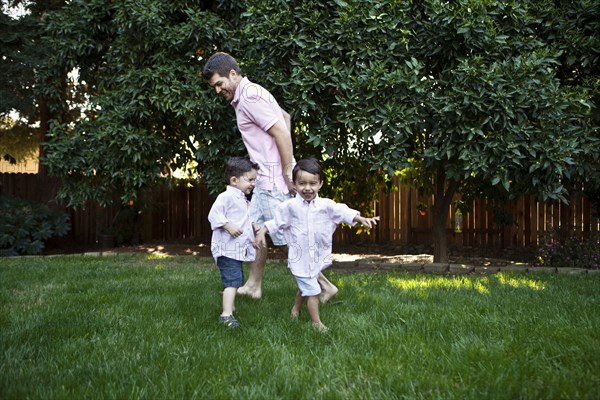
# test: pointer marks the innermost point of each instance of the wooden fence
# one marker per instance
(167, 212)
(179, 211)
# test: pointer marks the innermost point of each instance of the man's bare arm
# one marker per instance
(283, 140)
(287, 119)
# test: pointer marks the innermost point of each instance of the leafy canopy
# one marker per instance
(468, 87)
(466, 91)
(463, 92)
(148, 112)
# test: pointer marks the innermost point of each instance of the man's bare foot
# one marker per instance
(327, 293)
(320, 327)
(252, 293)
(295, 313)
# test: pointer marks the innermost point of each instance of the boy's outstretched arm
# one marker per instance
(368, 222)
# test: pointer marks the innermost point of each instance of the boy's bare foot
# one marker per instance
(295, 313)
(320, 327)
(250, 292)
(327, 293)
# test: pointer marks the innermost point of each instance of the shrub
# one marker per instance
(25, 226)
(564, 249)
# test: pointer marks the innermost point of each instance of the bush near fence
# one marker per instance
(178, 210)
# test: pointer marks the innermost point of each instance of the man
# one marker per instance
(266, 131)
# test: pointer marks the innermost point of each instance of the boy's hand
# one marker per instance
(368, 222)
(233, 230)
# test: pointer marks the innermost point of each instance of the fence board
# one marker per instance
(179, 210)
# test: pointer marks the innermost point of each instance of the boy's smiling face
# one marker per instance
(246, 182)
(307, 185)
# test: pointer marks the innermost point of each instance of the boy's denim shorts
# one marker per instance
(232, 273)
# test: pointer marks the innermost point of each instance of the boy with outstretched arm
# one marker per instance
(308, 223)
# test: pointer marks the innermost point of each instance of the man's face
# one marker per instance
(225, 85)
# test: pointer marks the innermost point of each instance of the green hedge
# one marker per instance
(25, 226)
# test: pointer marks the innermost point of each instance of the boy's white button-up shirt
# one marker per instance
(308, 229)
(231, 206)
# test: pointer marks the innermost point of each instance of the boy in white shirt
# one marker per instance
(308, 223)
(233, 232)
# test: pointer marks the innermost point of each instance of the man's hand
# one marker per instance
(260, 241)
(291, 187)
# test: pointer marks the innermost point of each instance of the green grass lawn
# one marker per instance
(137, 327)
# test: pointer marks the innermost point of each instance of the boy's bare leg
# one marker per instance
(228, 301)
(297, 305)
(253, 286)
(328, 289)
(313, 311)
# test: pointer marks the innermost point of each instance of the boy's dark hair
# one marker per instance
(238, 166)
(220, 63)
(310, 165)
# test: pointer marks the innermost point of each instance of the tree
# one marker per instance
(23, 54)
(465, 90)
(147, 111)
(573, 28)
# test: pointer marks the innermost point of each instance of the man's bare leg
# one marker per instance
(253, 286)
(328, 289)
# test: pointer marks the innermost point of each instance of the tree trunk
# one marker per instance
(440, 241)
(47, 187)
(44, 128)
(442, 198)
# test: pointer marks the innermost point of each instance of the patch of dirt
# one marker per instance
(361, 257)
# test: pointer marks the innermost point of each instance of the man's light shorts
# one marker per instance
(262, 209)
(308, 286)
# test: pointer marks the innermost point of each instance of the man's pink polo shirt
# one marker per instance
(256, 112)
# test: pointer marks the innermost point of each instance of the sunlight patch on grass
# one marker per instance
(421, 283)
(482, 285)
(520, 282)
(158, 257)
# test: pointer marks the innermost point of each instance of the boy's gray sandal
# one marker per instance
(229, 321)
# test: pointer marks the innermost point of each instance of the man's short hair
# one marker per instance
(220, 63)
